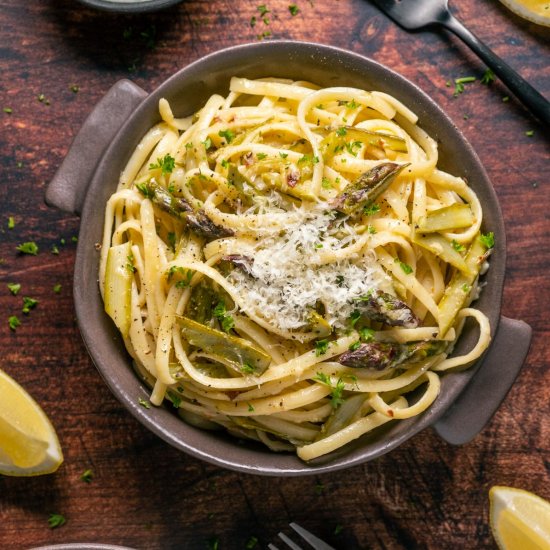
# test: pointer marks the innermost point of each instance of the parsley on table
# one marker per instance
(228, 135)
(74, 88)
(8, 110)
(13, 322)
(251, 543)
(14, 288)
(74, 239)
(28, 248)
(145, 404)
(214, 543)
(530, 133)
(11, 222)
(253, 21)
(57, 288)
(293, 9)
(488, 240)
(459, 84)
(87, 476)
(338, 529)
(28, 304)
(56, 520)
(262, 8)
(165, 164)
(42, 98)
(488, 77)
(55, 250)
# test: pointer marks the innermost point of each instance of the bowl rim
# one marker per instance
(158, 424)
(138, 6)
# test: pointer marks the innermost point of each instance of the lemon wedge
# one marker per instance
(519, 520)
(28, 442)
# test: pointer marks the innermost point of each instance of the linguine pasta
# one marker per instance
(290, 264)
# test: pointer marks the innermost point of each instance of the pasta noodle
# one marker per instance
(290, 264)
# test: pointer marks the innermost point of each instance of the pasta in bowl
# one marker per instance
(290, 264)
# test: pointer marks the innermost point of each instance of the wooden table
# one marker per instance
(58, 59)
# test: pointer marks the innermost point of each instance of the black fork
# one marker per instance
(419, 14)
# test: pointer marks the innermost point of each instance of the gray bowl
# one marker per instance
(89, 175)
(135, 6)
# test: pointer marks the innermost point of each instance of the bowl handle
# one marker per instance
(478, 402)
(68, 187)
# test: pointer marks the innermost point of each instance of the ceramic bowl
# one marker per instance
(89, 175)
(129, 6)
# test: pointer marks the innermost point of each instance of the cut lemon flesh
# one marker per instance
(28, 442)
(519, 520)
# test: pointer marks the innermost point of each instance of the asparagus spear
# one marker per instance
(385, 308)
(179, 208)
(367, 188)
(381, 355)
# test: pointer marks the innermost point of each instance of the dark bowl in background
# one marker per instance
(91, 170)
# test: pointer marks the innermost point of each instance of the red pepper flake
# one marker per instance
(390, 412)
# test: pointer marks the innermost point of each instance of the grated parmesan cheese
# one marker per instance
(284, 286)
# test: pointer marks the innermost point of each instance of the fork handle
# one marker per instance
(533, 100)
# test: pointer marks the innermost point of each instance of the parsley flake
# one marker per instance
(145, 404)
(226, 321)
(87, 476)
(457, 246)
(57, 288)
(405, 267)
(530, 133)
(251, 543)
(11, 222)
(8, 110)
(228, 135)
(488, 77)
(165, 164)
(321, 347)
(459, 84)
(366, 334)
(293, 9)
(488, 240)
(56, 520)
(28, 304)
(371, 209)
(28, 248)
(14, 288)
(336, 398)
(13, 322)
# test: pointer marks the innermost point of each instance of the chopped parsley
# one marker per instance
(176, 400)
(263, 9)
(28, 248)
(366, 334)
(144, 190)
(457, 246)
(228, 135)
(283, 155)
(226, 321)
(247, 368)
(186, 281)
(87, 476)
(251, 543)
(207, 143)
(145, 404)
(353, 147)
(321, 347)
(371, 209)
(224, 163)
(505, 99)
(459, 84)
(530, 133)
(130, 265)
(466, 288)
(42, 98)
(14, 288)
(8, 110)
(341, 131)
(74, 88)
(405, 267)
(165, 164)
(74, 239)
(261, 156)
(488, 240)
(325, 183)
(57, 288)
(293, 9)
(172, 240)
(338, 529)
(250, 407)
(56, 520)
(11, 222)
(336, 398)
(253, 21)
(55, 250)
(355, 346)
(13, 322)
(214, 543)
(488, 77)
(354, 317)
(28, 304)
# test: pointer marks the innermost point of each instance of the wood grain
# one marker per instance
(144, 494)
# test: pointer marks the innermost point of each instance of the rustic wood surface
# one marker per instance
(145, 494)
